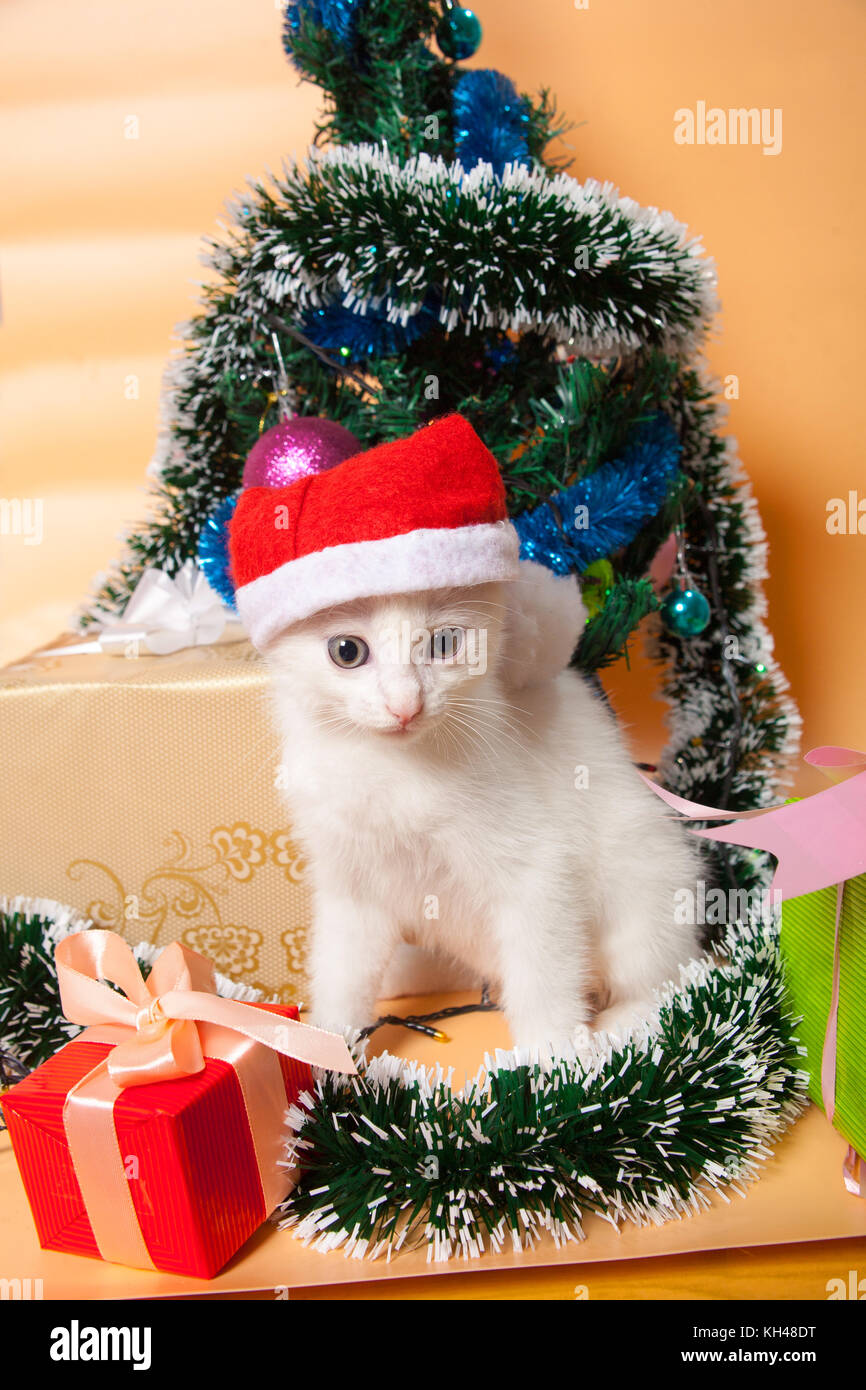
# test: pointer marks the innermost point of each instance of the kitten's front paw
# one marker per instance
(330, 1024)
(545, 1053)
(584, 1046)
(621, 1021)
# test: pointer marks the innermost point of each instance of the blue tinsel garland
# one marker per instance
(361, 337)
(490, 121)
(500, 354)
(213, 550)
(339, 17)
(619, 497)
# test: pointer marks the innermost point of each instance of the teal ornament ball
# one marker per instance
(686, 612)
(458, 33)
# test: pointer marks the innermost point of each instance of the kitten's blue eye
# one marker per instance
(446, 643)
(348, 652)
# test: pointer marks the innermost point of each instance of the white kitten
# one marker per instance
(453, 786)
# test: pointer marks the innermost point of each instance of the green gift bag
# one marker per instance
(820, 847)
(807, 943)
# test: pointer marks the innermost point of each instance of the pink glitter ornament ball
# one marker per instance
(297, 448)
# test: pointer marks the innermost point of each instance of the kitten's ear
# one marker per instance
(544, 619)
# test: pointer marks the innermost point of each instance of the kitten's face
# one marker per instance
(392, 668)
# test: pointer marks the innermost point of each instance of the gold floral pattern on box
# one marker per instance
(234, 950)
(184, 898)
(287, 856)
(295, 945)
(240, 849)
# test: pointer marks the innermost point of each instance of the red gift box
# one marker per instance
(187, 1147)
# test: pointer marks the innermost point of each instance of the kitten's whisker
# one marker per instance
(474, 729)
(472, 735)
(337, 724)
(509, 735)
(518, 733)
(505, 707)
(504, 713)
(269, 740)
(449, 737)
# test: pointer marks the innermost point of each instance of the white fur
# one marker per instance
(471, 831)
(545, 617)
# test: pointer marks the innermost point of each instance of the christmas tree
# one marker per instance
(432, 256)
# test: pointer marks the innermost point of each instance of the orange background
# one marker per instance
(100, 242)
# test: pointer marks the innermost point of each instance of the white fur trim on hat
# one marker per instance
(545, 618)
(434, 558)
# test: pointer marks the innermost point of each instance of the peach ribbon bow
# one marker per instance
(160, 1014)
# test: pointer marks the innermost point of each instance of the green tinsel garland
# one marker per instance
(643, 1133)
(528, 251)
(32, 1026)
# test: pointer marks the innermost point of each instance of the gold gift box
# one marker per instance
(142, 790)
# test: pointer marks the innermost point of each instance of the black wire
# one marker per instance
(279, 326)
(419, 1022)
(11, 1072)
(11, 1069)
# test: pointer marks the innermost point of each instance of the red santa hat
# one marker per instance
(425, 512)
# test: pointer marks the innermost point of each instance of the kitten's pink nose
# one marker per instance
(405, 708)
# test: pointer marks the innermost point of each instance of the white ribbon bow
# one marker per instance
(165, 613)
